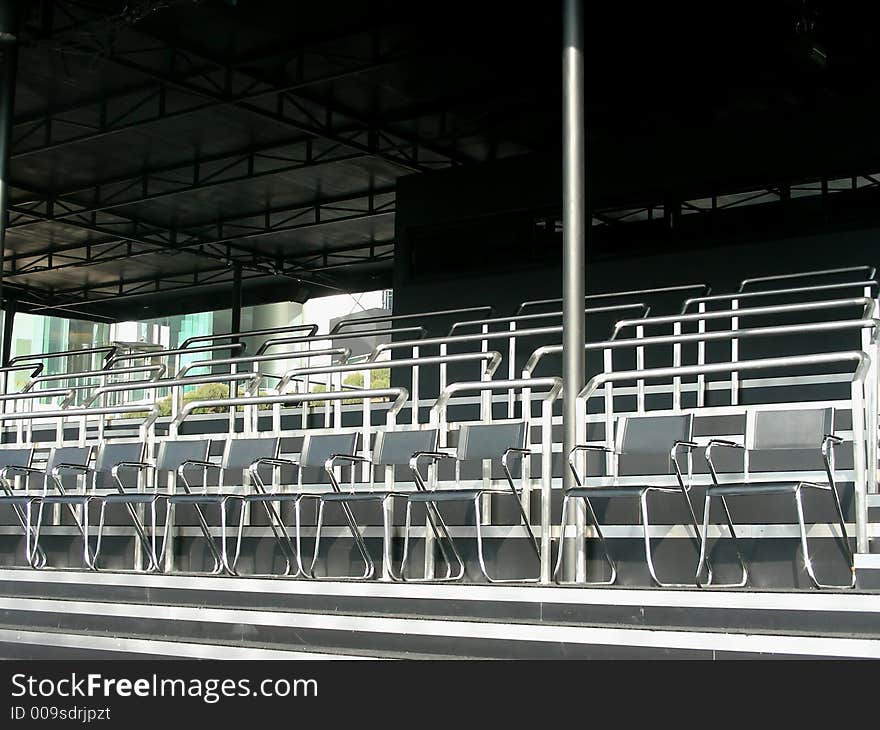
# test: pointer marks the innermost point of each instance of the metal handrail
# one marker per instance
(300, 355)
(870, 273)
(151, 410)
(310, 328)
(738, 296)
(474, 337)
(238, 346)
(399, 317)
(554, 385)
(492, 358)
(777, 330)
(109, 349)
(865, 302)
(554, 388)
(400, 394)
(35, 368)
(544, 315)
(253, 380)
(863, 363)
(159, 371)
(352, 335)
(659, 290)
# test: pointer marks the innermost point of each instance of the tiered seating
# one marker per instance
(664, 389)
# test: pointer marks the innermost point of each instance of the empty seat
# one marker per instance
(317, 451)
(476, 442)
(637, 436)
(772, 430)
(392, 448)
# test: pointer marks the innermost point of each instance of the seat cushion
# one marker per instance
(741, 490)
(278, 497)
(132, 498)
(448, 495)
(354, 496)
(16, 500)
(67, 498)
(620, 491)
(198, 498)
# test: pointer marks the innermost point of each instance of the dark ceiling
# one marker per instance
(160, 146)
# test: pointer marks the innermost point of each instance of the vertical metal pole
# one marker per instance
(574, 226)
(8, 69)
(235, 326)
(236, 299)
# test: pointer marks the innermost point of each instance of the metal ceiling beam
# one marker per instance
(276, 111)
(144, 286)
(196, 175)
(218, 242)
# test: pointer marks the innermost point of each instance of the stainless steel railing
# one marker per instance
(869, 272)
(706, 289)
(861, 417)
(347, 323)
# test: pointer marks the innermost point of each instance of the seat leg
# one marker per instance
(35, 555)
(228, 566)
(649, 555)
(89, 558)
(808, 562)
(704, 557)
(444, 541)
(37, 527)
(591, 514)
(24, 520)
(141, 533)
(369, 565)
(481, 556)
(282, 538)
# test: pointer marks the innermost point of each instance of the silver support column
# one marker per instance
(574, 227)
(9, 24)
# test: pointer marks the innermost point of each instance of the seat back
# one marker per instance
(16, 457)
(489, 440)
(397, 447)
(802, 428)
(111, 453)
(173, 453)
(78, 455)
(652, 435)
(319, 447)
(241, 453)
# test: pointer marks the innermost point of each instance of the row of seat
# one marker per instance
(806, 428)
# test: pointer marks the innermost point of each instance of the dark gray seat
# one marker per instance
(64, 459)
(16, 461)
(476, 442)
(648, 436)
(391, 449)
(171, 457)
(316, 450)
(240, 455)
(773, 430)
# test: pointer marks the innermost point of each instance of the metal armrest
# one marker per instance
(81, 468)
(601, 448)
(196, 462)
(673, 455)
(519, 452)
(724, 444)
(138, 465)
(21, 470)
(433, 456)
(330, 463)
(828, 443)
(254, 468)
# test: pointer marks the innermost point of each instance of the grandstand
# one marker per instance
(705, 485)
